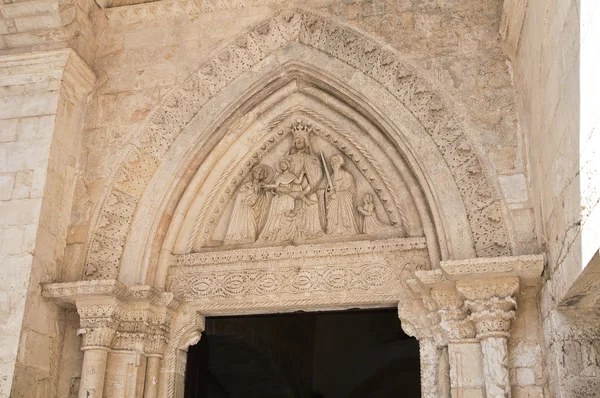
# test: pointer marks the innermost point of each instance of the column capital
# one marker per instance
(99, 316)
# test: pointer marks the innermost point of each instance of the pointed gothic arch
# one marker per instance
(453, 177)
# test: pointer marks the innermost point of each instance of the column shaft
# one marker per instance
(152, 374)
(93, 372)
(495, 367)
(430, 359)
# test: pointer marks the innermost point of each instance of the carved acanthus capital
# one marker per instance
(99, 318)
(417, 320)
(491, 304)
(158, 331)
(456, 324)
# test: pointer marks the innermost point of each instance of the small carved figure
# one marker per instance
(341, 218)
(371, 223)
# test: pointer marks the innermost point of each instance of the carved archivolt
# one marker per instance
(484, 209)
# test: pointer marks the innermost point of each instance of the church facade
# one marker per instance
(164, 162)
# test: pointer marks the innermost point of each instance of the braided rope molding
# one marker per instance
(111, 226)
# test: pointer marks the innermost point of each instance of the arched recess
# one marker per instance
(329, 58)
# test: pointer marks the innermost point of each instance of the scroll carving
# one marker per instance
(312, 274)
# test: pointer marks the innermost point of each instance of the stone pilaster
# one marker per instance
(419, 319)
(125, 332)
(42, 102)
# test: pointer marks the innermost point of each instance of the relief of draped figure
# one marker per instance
(250, 207)
(301, 201)
(341, 217)
(307, 167)
(281, 222)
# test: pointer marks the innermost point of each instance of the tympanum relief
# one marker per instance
(304, 190)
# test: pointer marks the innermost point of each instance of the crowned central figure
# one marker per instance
(304, 215)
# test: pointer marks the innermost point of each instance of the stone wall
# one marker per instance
(52, 175)
(35, 25)
(42, 96)
(554, 49)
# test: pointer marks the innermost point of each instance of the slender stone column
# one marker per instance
(429, 355)
(152, 375)
(492, 319)
(93, 372)
(492, 311)
(98, 320)
(95, 353)
(419, 319)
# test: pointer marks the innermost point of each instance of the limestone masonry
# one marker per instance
(165, 161)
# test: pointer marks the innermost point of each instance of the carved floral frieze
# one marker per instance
(360, 271)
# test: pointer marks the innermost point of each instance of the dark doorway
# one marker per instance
(346, 354)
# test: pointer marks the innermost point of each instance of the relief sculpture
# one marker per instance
(307, 197)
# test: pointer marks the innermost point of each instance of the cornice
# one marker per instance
(64, 65)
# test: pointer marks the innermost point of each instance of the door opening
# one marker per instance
(344, 354)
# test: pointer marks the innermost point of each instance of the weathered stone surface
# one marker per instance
(434, 172)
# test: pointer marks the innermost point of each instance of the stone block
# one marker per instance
(22, 185)
(525, 355)
(7, 182)
(20, 212)
(514, 187)
(469, 364)
(8, 130)
(25, 8)
(525, 376)
(48, 21)
(36, 350)
(527, 392)
(11, 240)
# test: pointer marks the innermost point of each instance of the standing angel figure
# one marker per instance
(341, 218)
(371, 223)
(248, 208)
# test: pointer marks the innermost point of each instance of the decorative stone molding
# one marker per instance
(186, 330)
(492, 317)
(419, 319)
(378, 61)
(308, 276)
(98, 321)
(133, 319)
(474, 304)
